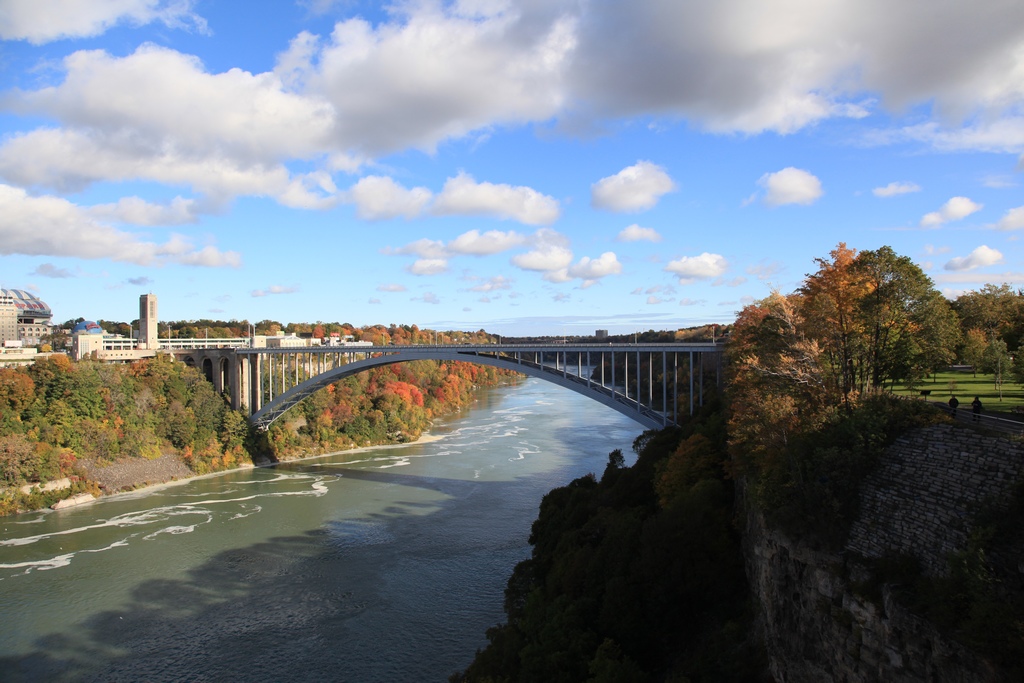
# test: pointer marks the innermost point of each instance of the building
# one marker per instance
(149, 327)
(8, 319)
(23, 317)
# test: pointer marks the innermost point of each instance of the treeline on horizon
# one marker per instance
(383, 335)
(54, 414)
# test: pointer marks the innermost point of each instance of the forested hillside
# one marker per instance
(56, 414)
(634, 577)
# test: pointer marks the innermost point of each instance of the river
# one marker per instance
(387, 564)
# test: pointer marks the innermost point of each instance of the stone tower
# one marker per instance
(149, 331)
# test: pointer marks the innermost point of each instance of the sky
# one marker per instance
(520, 166)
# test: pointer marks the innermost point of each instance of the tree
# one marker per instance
(940, 336)
(997, 361)
(997, 310)
(1017, 369)
(909, 326)
(973, 350)
(830, 312)
(17, 390)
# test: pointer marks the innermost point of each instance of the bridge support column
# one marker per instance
(218, 374)
(240, 382)
(255, 384)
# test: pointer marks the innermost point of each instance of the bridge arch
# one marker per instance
(629, 406)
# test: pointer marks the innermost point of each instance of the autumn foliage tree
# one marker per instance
(804, 363)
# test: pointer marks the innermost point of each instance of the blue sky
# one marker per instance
(526, 167)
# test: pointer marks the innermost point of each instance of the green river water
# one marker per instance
(381, 565)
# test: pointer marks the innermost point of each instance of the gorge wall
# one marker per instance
(919, 502)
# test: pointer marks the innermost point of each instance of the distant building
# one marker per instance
(23, 317)
(286, 341)
(149, 328)
(8, 318)
(601, 334)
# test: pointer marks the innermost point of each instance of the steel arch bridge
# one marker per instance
(271, 380)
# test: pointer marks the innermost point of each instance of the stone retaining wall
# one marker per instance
(920, 501)
(921, 498)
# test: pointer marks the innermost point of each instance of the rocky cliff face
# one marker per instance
(817, 627)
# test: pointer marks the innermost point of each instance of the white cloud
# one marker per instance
(480, 244)
(157, 115)
(545, 257)
(692, 268)
(790, 186)
(463, 196)
(428, 72)
(955, 209)
(550, 253)
(977, 278)
(137, 211)
(428, 298)
(634, 233)
(1012, 220)
(424, 248)
(998, 182)
(433, 73)
(735, 282)
(590, 270)
(493, 284)
(428, 266)
(274, 289)
(634, 188)
(380, 197)
(979, 258)
(765, 271)
(1001, 135)
(391, 287)
(735, 66)
(42, 21)
(896, 188)
(52, 271)
(52, 226)
(691, 302)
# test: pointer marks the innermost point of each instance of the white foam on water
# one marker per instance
(173, 530)
(400, 463)
(242, 515)
(38, 520)
(129, 519)
(41, 565)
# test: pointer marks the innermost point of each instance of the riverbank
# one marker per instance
(144, 476)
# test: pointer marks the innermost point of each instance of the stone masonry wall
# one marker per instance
(920, 499)
(817, 628)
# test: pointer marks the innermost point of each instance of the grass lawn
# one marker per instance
(966, 386)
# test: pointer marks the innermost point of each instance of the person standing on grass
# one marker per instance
(976, 407)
